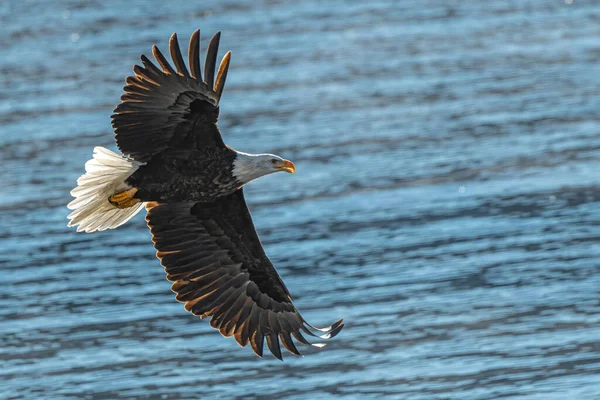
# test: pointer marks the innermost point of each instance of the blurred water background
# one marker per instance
(447, 200)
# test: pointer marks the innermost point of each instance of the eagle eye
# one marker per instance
(273, 161)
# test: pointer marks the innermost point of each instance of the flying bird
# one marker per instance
(175, 164)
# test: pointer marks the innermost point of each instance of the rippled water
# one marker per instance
(447, 200)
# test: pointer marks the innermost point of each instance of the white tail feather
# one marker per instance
(105, 175)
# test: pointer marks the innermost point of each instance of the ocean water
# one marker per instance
(446, 204)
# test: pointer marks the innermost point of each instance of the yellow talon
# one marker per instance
(124, 199)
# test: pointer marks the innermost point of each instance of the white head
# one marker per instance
(247, 167)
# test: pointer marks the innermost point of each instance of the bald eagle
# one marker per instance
(175, 164)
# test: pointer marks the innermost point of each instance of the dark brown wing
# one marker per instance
(214, 257)
(170, 107)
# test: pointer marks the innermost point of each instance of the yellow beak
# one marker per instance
(286, 166)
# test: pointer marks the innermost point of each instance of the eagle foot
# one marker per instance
(124, 199)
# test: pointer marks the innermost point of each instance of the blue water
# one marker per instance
(446, 204)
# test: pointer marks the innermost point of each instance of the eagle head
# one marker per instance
(247, 167)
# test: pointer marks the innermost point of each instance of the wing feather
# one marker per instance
(211, 60)
(273, 344)
(194, 55)
(212, 254)
(171, 107)
(257, 342)
(176, 56)
(162, 61)
(222, 74)
(288, 343)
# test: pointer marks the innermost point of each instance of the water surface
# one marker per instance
(447, 200)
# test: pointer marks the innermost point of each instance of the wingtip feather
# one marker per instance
(176, 56)
(211, 60)
(166, 67)
(222, 74)
(194, 55)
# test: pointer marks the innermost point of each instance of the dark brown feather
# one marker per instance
(223, 305)
(231, 316)
(166, 67)
(257, 342)
(222, 74)
(242, 333)
(194, 55)
(211, 60)
(273, 344)
(151, 70)
(287, 342)
(176, 56)
(135, 82)
(204, 304)
(273, 323)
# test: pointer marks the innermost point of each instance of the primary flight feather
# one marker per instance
(176, 165)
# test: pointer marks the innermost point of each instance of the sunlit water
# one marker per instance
(447, 200)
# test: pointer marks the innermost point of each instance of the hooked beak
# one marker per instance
(286, 166)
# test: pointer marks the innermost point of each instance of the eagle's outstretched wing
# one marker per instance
(168, 107)
(213, 255)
